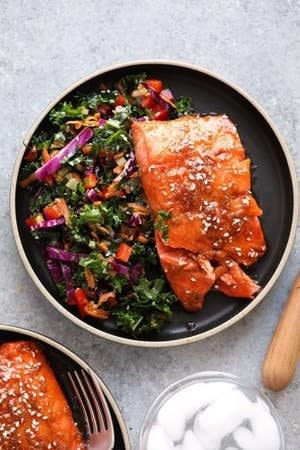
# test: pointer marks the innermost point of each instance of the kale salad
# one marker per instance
(87, 209)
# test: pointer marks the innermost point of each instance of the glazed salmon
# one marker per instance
(195, 169)
(34, 413)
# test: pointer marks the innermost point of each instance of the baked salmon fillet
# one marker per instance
(195, 174)
(34, 413)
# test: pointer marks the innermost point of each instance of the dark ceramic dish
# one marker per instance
(61, 361)
(274, 186)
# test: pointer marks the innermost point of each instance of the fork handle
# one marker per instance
(283, 353)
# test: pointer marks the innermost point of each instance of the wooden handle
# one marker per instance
(283, 353)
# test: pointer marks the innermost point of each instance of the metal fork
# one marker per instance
(94, 409)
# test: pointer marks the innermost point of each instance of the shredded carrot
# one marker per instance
(94, 235)
(49, 180)
(45, 155)
(86, 149)
(99, 313)
(102, 247)
(27, 181)
(107, 297)
(117, 170)
(102, 229)
(142, 239)
(139, 208)
(118, 156)
(76, 123)
(90, 279)
(112, 191)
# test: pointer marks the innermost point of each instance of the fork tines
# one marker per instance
(92, 402)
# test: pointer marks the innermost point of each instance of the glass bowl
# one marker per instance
(211, 411)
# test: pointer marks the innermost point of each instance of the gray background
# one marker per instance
(47, 45)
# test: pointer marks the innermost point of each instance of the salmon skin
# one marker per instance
(195, 169)
(34, 413)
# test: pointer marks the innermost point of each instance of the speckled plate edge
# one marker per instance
(84, 365)
(175, 342)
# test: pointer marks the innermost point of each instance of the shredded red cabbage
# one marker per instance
(64, 255)
(131, 164)
(89, 169)
(92, 195)
(157, 98)
(47, 224)
(135, 220)
(129, 168)
(55, 270)
(136, 272)
(120, 268)
(54, 163)
(67, 274)
(167, 96)
(102, 122)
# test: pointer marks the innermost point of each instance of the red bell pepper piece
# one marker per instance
(81, 300)
(120, 100)
(90, 181)
(57, 209)
(156, 85)
(159, 113)
(124, 252)
(31, 155)
(147, 101)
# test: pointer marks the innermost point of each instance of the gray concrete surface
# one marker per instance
(47, 45)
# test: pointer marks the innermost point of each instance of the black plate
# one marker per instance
(61, 363)
(273, 182)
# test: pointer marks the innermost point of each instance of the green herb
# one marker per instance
(41, 140)
(28, 168)
(98, 266)
(78, 277)
(47, 236)
(131, 82)
(127, 320)
(67, 111)
(112, 213)
(59, 137)
(183, 106)
(61, 290)
(161, 224)
(95, 99)
(145, 254)
(77, 232)
(147, 309)
(118, 282)
(113, 137)
(89, 215)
